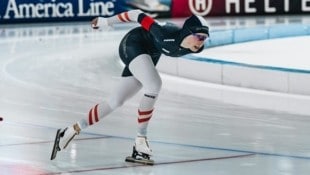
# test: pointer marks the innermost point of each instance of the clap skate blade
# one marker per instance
(56, 144)
(141, 158)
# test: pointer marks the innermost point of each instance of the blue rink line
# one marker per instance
(223, 62)
(102, 136)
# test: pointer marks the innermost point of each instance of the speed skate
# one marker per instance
(138, 157)
(56, 147)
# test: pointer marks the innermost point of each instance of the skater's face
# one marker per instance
(194, 41)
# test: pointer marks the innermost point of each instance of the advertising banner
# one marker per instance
(15, 11)
(21, 11)
(181, 8)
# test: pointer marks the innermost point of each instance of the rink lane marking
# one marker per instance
(101, 136)
(132, 165)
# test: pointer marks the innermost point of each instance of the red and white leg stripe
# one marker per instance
(123, 17)
(144, 116)
(93, 116)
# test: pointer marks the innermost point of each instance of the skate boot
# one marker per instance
(63, 138)
(141, 152)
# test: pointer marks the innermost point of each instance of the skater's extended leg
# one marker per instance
(127, 87)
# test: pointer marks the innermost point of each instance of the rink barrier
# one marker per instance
(270, 78)
(225, 37)
(274, 88)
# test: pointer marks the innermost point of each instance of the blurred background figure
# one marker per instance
(149, 5)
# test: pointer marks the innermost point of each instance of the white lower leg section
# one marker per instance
(83, 123)
(147, 102)
(98, 112)
(145, 113)
(143, 122)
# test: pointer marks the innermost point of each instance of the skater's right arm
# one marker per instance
(146, 21)
(139, 16)
(129, 16)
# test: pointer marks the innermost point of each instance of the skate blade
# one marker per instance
(139, 160)
(56, 143)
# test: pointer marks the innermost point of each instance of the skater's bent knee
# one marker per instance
(154, 87)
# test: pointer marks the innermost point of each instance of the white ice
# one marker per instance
(52, 75)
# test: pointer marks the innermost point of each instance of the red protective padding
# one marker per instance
(147, 22)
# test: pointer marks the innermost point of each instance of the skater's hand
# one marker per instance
(100, 22)
(94, 23)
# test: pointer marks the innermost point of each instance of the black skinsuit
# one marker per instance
(158, 39)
